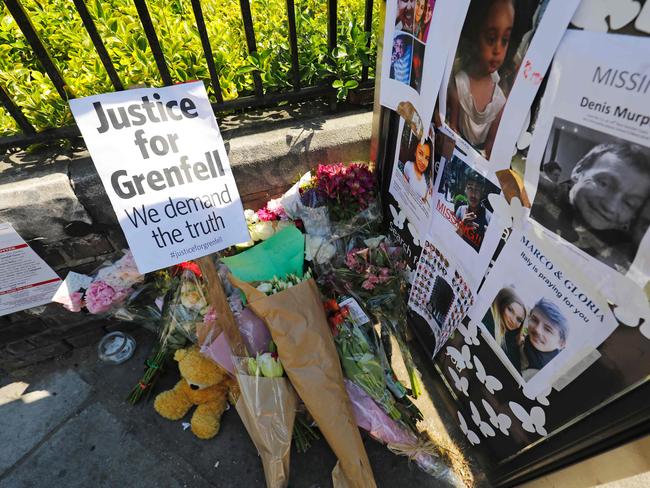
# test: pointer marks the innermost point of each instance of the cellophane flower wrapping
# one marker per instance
(399, 439)
(375, 275)
(267, 407)
(105, 289)
(184, 309)
(297, 322)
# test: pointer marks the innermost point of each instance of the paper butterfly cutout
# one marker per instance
(484, 427)
(460, 359)
(501, 421)
(470, 333)
(471, 435)
(643, 20)
(530, 422)
(415, 234)
(593, 14)
(627, 317)
(460, 382)
(491, 382)
(514, 214)
(541, 398)
(398, 217)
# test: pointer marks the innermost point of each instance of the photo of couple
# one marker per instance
(463, 201)
(530, 335)
(493, 42)
(411, 31)
(594, 192)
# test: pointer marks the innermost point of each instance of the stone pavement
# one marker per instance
(64, 423)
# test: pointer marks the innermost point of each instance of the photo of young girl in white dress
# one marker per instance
(495, 35)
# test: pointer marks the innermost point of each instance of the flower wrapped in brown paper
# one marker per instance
(299, 328)
(267, 407)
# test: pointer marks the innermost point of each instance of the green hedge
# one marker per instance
(61, 29)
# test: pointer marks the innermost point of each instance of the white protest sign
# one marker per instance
(26, 280)
(162, 161)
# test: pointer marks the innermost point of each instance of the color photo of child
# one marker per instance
(489, 52)
(463, 201)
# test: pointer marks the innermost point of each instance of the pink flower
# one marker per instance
(370, 282)
(99, 297)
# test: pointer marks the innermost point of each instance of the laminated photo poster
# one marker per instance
(462, 238)
(496, 68)
(539, 315)
(418, 34)
(588, 166)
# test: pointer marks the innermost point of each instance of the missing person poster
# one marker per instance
(588, 165)
(463, 217)
(539, 316)
(161, 158)
(439, 293)
(504, 50)
(416, 33)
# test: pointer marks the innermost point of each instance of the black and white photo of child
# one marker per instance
(593, 191)
(493, 42)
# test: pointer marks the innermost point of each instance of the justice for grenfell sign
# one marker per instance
(162, 161)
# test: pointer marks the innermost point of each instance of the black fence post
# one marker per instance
(207, 49)
(16, 113)
(154, 43)
(25, 24)
(367, 27)
(249, 30)
(293, 42)
(99, 45)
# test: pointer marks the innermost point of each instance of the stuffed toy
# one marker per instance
(203, 383)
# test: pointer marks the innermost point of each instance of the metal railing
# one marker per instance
(297, 92)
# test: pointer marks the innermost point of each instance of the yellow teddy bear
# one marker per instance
(203, 383)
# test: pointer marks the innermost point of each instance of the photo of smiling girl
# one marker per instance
(504, 320)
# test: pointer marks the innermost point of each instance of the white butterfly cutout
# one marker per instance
(643, 20)
(460, 382)
(513, 213)
(398, 217)
(484, 427)
(470, 333)
(593, 14)
(415, 234)
(500, 420)
(541, 398)
(471, 435)
(461, 359)
(530, 422)
(491, 382)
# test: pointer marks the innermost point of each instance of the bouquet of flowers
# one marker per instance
(297, 322)
(364, 362)
(266, 221)
(110, 286)
(184, 309)
(374, 275)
